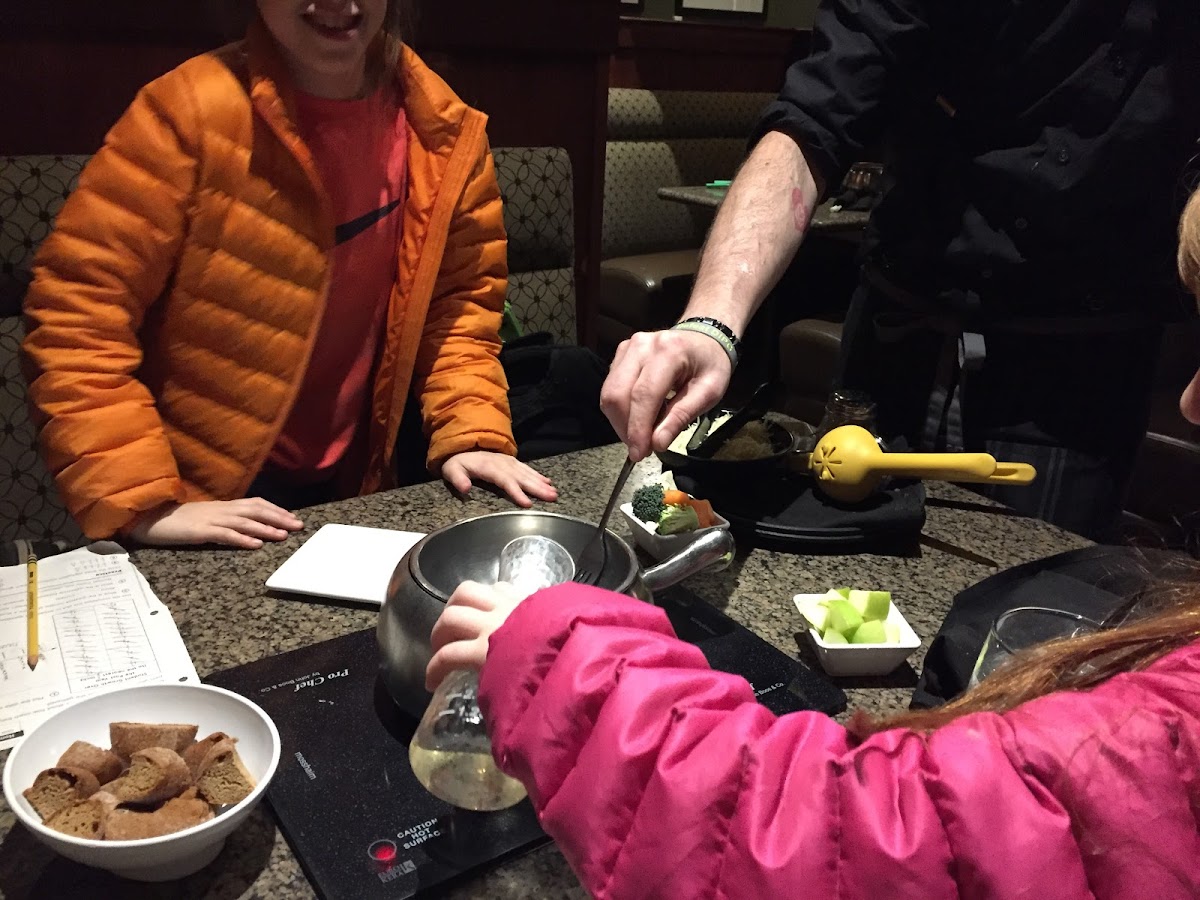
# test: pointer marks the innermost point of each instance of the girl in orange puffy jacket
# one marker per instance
(278, 242)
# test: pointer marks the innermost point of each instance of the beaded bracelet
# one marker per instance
(718, 331)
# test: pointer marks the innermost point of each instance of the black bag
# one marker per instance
(1094, 581)
(554, 395)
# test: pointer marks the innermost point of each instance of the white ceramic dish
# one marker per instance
(172, 855)
(845, 660)
(660, 546)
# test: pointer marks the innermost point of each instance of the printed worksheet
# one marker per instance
(99, 627)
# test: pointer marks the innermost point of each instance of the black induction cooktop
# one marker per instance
(348, 803)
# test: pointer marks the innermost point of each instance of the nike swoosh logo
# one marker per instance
(355, 227)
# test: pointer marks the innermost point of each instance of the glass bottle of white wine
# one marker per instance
(451, 753)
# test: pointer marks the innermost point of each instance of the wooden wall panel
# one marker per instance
(62, 96)
(696, 56)
(70, 67)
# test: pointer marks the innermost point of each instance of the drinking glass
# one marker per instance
(451, 753)
(1022, 628)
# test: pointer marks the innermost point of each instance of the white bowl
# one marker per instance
(660, 546)
(844, 660)
(172, 855)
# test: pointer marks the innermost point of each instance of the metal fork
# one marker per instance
(593, 559)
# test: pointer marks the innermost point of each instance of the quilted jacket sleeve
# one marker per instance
(834, 100)
(112, 251)
(660, 778)
(458, 376)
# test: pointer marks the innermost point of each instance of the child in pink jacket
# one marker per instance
(1075, 774)
(660, 778)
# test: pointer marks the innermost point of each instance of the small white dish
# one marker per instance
(847, 660)
(660, 546)
(171, 855)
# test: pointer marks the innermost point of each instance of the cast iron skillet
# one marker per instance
(783, 444)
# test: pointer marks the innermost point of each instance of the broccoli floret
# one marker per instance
(678, 519)
(648, 502)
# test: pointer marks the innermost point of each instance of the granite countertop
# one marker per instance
(825, 218)
(226, 618)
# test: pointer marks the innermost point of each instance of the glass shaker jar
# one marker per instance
(847, 407)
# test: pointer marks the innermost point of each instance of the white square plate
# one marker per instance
(345, 562)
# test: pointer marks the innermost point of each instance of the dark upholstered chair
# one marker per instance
(32, 190)
(1165, 489)
(808, 362)
(539, 216)
(650, 246)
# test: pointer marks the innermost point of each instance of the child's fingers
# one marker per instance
(459, 655)
(475, 595)
(457, 476)
(458, 623)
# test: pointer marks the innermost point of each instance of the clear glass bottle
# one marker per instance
(450, 752)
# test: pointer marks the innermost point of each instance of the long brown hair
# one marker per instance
(1166, 621)
(385, 54)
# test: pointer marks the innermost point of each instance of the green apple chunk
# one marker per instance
(832, 596)
(871, 632)
(892, 630)
(833, 637)
(843, 617)
(816, 613)
(871, 605)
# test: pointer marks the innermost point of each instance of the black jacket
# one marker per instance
(1037, 150)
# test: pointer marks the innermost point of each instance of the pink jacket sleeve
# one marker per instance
(660, 778)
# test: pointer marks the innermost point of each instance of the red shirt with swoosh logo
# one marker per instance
(360, 148)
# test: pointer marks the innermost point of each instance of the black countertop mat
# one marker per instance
(344, 787)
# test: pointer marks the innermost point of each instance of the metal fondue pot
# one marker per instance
(469, 551)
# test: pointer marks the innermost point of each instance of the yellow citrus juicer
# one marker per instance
(848, 465)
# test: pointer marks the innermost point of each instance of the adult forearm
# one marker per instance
(756, 233)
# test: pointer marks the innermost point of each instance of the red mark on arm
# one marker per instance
(799, 211)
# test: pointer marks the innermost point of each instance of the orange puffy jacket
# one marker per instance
(174, 307)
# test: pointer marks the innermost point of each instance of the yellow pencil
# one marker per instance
(31, 611)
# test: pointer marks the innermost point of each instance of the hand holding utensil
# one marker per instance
(591, 562)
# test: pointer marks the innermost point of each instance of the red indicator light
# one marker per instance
(382, 851)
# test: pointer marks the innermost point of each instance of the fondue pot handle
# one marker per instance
(712, 551)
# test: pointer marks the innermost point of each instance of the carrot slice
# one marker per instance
(675, 498)
(704, 512)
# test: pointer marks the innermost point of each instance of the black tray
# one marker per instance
(784, 511)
